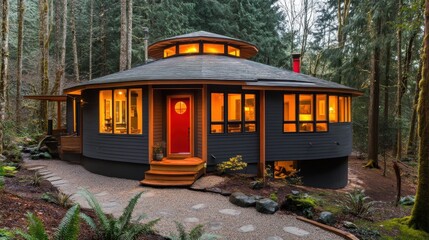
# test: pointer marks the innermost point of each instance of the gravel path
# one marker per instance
(214, 211)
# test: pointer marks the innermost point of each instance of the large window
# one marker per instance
(214, 48)
(121, 111)
(233, 51)
(189, 48)
(233, 113)
(192, 48)
(171, 51)
(313, 112)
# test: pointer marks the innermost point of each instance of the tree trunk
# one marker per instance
(130, 34)
(91, 21)
(398, 89)
(60, 42)
(374, 99)
(104, 38)
(44, 59)
(4, 69)
(73, 30)
(20, 45)
(412, 134)
(123, 43)
(419, 215)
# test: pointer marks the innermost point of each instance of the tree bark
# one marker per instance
(91, 21)
(130, 34)
(374, 101)
(4, 69)
(20, 45)
(123, 43)
(398, 89)
(419, 215)
(44, 59)
(60, 42)
(73, 30)
(412, 134)
(104, 38)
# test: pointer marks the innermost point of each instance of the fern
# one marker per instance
(69, 226)
(36, 229)
(111, 228)
(197, 233)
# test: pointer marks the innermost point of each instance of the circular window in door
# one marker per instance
(180, 107)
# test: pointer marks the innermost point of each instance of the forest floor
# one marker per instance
(380, 189)
(20, 197)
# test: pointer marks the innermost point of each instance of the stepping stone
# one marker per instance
(198, 206)
(165, 213)
(213, 226)
(59, 182)
(231, 212)
(100, 194)
(148, 194)
(247, 228)
(36, 168)
(191, 220)
(296, 231)
(49, 175)
(52, 179)
(45, 173)
(274, 238)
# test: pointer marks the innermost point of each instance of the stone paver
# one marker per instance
(36, 168)
(54, 178)
(59, 182)
(189, 207)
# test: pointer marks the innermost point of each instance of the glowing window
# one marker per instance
(135, 111)
(306, 127)
(234, 112)
(333, 109)
(213, 48)
(341, 109)
(321, 113)
(120, 111)
(217, 113)
(105, 108)
(233, 51)
(250, 112)
(180, 107)
(349, 109)
(189, 48)
(289, 113)
(305, 107)
(171, 51)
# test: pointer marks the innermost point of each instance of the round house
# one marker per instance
(202, 102)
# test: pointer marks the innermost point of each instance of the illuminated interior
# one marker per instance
(135, 111)
(74, 115)
(282, 169)
(333, 109)
(234, 112)
(341, 109)
(120, 111)
(105, 121)
(305, 112)
(214, 48)
(289, 111)
(250, 112)
(321, 113)
(233, 51)
(189, 48)
(217, 112)
(348, 109)
(171, 51)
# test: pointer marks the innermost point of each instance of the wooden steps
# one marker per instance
(174, 172)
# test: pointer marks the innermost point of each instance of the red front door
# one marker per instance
(180, 125)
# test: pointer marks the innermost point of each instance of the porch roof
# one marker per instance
(212, 68)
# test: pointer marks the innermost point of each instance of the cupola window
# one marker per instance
(189, 48)
(171, 51)
(214, 48)
(233, 51)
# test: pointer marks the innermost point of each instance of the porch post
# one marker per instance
(204, 112)
(261, 165)
(150, 90)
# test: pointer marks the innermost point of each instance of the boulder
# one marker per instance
(242, 200)
(327, 218)
(349, 225)
(266, 206)
(256, 185)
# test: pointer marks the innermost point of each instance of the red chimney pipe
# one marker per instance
(296, 62)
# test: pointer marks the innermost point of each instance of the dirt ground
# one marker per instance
(20, 197)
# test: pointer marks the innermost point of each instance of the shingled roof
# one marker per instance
(215, 68)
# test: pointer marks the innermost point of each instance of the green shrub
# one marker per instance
(273, 196)
(9, 171)
(59, 198)
(6, 234)
(300, 203)
(233, 164)
(110, 228)
(68, 228)
(197, 233)
(36, 180)
(358, 204)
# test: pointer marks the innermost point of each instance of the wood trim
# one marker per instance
(204, 123)
(336, 231)
(261, 165)
(191, 138)
(313, 89)
(151, 117)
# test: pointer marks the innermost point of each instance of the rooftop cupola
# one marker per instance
(202, 43)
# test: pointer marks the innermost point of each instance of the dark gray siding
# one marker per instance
(114, 147)
(69, 115)
(337, 142)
